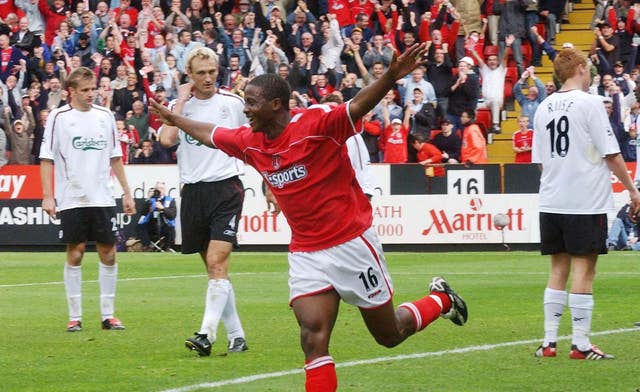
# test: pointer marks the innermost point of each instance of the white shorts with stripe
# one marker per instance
(356, 270)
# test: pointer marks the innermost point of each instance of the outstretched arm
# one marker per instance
(201, 131)
(369, 96)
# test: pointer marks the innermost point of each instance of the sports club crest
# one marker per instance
(275, 161)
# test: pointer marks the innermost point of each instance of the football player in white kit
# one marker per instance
(212, 196)
(576, 149)
(82, 140)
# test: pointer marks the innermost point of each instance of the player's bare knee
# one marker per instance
(75, 253)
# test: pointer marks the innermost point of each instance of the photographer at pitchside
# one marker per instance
(158, 218)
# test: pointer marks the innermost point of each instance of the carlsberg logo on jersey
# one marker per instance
(281, 178)
(191, 140)
(84, 144)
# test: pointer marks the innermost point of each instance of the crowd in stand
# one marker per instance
(481, 53)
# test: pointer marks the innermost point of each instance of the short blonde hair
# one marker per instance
(78, 74)
(566, 63)
(201, 52)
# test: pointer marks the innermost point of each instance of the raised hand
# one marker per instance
(407, 61)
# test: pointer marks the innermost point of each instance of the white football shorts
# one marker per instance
(356, 270)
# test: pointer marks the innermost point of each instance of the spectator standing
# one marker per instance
(474, 145)
(377, 51)
(469, 13)
(3, 148)
(605, 50)
(185, 45)
(551, 11)
(146, 154)
(417, 80)
(140, 120)
(512, 22)
(123, 98)
(626, 143)
(441, 77)
(535, 94)
(393, 142)
(20, 135)
(464, 93)
(128, 137)
(24, 39)
(55, 96)
(523, 141)
(420, 116)
(448, 142)
(33, 16)
(428, 155)
(87, 212)
(372, 129)
(387, 109)
(11, 58)
(53, 16)
(38, 133)
(493, 74)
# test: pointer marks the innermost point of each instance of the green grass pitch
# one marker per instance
(160, 299)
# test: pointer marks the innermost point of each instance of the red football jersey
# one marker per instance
(523, 139)
(310, 174)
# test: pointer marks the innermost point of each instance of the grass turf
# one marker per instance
(160, 299)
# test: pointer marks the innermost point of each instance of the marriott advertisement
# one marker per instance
(462, 215)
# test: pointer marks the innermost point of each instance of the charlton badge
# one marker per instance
(275, 161)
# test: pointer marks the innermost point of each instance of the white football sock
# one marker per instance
(73, 287)
(554, 303)
(581, 306)
(216, 300)
(230, 317)
(107, 277)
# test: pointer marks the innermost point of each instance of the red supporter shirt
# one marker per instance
(523, 139)
(310, 174)
(394, 145)
(429, 151)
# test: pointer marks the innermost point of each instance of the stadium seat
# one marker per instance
(511, 75)
(491, 50)
(483, 118)
(510, 79)
(542, 29)
(527, 54)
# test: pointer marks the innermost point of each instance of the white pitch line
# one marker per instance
(483, 273)
(135, 279)
(463, 350)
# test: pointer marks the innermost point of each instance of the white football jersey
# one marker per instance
(198, 162)
(81, 145)
(571, 136)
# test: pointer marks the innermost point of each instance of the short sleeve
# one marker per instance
(230, 140)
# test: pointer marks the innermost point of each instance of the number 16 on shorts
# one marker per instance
(465, 182)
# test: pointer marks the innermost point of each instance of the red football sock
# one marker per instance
(321, 375)
(428, 309)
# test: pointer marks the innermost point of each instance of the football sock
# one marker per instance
(554, 302)
(73, 287)
(107, 277)
(216, 300)
(427, 309)
(581, 306)
(230, 317)
(321, 375)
